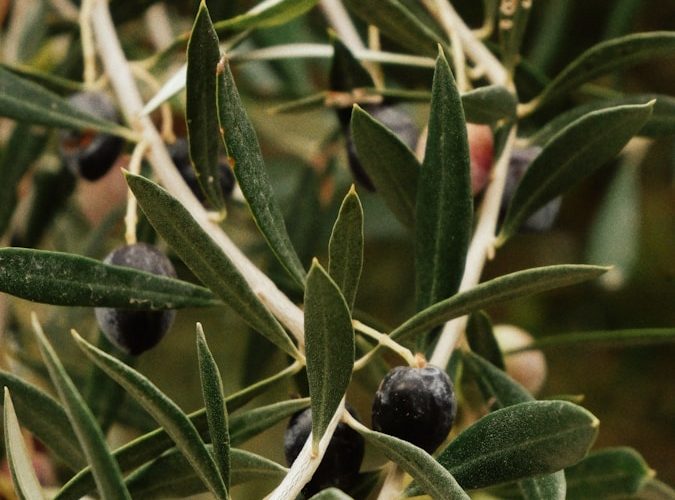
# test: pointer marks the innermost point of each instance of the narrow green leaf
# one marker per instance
(510, 286)
(607, 473)
(164, 411)
(214, 403)
(50, 81)
(153, 444)
(306, 103)
(397, 23)
(201, 110)
(631, 337)
(331, 494)
(249, 169)
(106, 472)
(203, 256)
(266, 14)
(435, 480)
(170, 475)
(520, 441)
(548, 487)
(26, 484)
(608, 56)
(444, 220)
(572, 154)
(329, 338)
(26, 101)
(660, 123)
(503, 391)
(21, 150)
(498, 388)
(390, 164)
(345, 248)
(653, 489)
(615, 232)
(482, 340)
(488, 104)
(246, 425)
(45, 418)
(71, 280)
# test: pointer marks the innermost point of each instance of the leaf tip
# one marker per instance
(352, 190)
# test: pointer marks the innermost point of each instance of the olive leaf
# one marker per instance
(165, 411)
(389, 163)
(20, 464)
(214, 404)
(29, 102)
(71, 280)
(249, 168)
(510, 286)
(606, 473)
(201, 110)
(267, 14)
(345, 248)
(443, 223)
(105, 469)
(572, 154)
(329, 338)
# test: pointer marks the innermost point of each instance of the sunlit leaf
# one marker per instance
(266, 14)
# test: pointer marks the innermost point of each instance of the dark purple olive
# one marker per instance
(180, 154)
(88, 153)
(340, 464)
(415, 404)
(543, 219)
(136, 331)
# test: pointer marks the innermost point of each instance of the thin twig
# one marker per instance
(131, 216)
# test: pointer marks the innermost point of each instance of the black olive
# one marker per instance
(136, 331)
(340, 464)
(415, 404)
(88, 153)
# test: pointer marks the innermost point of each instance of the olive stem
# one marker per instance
(124, 86)
(131, 216)
(482, 248)
(393, 483)
(87, 38)
(385, 341)
(307, 461)
(474, 48)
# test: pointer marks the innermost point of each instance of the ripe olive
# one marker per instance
(88, 153)
(415, 404)
(136, 331)
(340, 464)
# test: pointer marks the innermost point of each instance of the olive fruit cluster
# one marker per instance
(340, 465)
(136, 331)
(87, 153)
(415, 404)
(180, 155)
